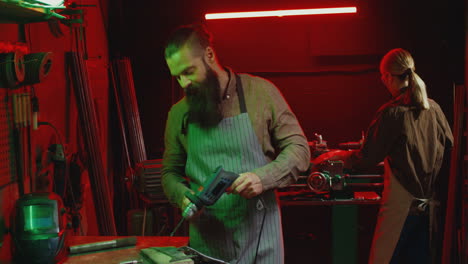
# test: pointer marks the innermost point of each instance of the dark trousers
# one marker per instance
(413, 245)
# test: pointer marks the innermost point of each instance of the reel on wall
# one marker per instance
(17, 69)
(12, 70)
(37, 67)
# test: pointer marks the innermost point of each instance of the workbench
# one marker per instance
(110, 256)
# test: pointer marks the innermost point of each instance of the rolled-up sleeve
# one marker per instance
(289, 141)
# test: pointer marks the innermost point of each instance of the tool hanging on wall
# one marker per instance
(11, 69)
(22, 117)
(39, 229)
(35, 111)
(22, 110)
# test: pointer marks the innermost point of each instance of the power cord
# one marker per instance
(264, 209)
(73, 211)
(261, 229)
(41, 123)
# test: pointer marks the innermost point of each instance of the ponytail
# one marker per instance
(416, 93)
(400, 60)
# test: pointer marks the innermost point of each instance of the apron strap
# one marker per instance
(184, 127)
(433, 223)
(240, 92)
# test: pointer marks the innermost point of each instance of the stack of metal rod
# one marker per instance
(88, 120)
(129, 123)
(127, 102)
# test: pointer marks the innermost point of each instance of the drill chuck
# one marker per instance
(189, 211)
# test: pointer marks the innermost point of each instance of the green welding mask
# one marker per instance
(38, 229)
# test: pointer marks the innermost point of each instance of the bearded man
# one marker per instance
(242, 123)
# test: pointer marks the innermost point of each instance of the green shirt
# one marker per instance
(278, 131)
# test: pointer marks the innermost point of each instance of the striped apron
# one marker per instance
(234, 229)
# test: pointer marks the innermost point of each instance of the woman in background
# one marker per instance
(410, 134)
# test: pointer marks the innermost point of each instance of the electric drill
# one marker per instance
(212, 191)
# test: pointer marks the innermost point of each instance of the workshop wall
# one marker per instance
(57, 103)
(326, 66)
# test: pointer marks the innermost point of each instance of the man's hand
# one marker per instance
(185, 203)
(248, 185)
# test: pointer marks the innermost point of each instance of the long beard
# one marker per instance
(204, 101)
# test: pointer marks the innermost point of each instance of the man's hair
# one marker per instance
(195, 35)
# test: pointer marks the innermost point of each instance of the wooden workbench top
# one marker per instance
(110, 256)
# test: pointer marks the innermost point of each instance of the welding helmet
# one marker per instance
(38, 229)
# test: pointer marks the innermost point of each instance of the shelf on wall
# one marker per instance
(12, 12)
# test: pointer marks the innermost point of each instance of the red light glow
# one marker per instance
(281, 13)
